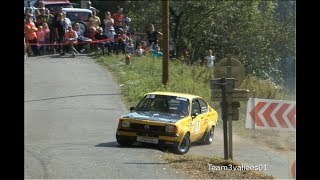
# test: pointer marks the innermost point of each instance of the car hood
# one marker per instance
(154, 116)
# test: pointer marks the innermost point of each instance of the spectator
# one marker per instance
(157, 53)
(94, 20)
(110, 43)
(31, 35)
(139, 50)
(41, 5)
(91, 35)
(152, 37)
(118, 18)
(47, 35)
(71, 38)
(36, 13)
(126, 21)
(80, 34)
(53, 32)
(31, 8)
(59, 25)
(129, 49)
(145, 48)
(209, 59)
(67, 21)
(172, 50)
(120, 43)
(43, 17)
(52, 35)
(41, 38)
(100, 36)
(91, 7)
(108, 23)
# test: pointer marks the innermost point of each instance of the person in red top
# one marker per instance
(118, 19)
(31, 34)
(71, 38)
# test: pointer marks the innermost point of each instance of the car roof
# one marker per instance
(56, 2)
(188, 96)
(76, 10)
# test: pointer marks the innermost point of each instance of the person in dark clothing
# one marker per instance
(120, 41)
(152, 37)
(60, 31)
(100, 36)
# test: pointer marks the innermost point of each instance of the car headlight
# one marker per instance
(125, 124)
(170, 129)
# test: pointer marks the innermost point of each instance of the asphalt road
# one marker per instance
(72, 107)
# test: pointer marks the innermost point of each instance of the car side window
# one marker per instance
(203, 106)
(195, 106)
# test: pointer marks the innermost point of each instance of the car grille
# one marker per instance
(148, 128)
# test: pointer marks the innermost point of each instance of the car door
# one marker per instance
(197, 121)
(204, 115)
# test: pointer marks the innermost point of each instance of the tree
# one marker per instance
(261, 34)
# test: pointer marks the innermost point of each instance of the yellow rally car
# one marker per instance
(169, 119)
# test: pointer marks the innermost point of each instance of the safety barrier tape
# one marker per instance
(79, 42)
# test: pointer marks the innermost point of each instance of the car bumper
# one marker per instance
(162, 139)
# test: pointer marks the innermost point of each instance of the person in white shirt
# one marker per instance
(209, 59)
(67, 21)
(110, 43)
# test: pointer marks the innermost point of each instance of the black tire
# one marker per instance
(124, 141)
(184, 146)
(208, 137)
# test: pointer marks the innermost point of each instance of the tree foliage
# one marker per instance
(261, 34)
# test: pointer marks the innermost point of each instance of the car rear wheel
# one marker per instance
(184, 146)
(208, 137)
(124, 141)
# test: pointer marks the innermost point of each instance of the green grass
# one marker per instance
(145, 75)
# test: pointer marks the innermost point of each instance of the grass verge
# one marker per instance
(145, 75)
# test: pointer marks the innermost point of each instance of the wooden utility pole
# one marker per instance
(165, 40)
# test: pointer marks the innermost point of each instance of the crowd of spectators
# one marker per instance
(47, 33)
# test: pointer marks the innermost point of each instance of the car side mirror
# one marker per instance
(195, 114)
(132, 108)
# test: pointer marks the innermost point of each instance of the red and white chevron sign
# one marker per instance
(271, 114)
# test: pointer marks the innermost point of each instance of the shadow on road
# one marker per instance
(117, 94)
(108, 144)
(134, 145)
(193, 144)
(65, 56)
(146, 163)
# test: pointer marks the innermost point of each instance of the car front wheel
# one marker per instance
(184, 146)
(124, 141)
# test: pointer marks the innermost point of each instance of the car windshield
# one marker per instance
(78, 16)
(162, 103)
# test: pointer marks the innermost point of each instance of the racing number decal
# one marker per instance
(198, 127)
